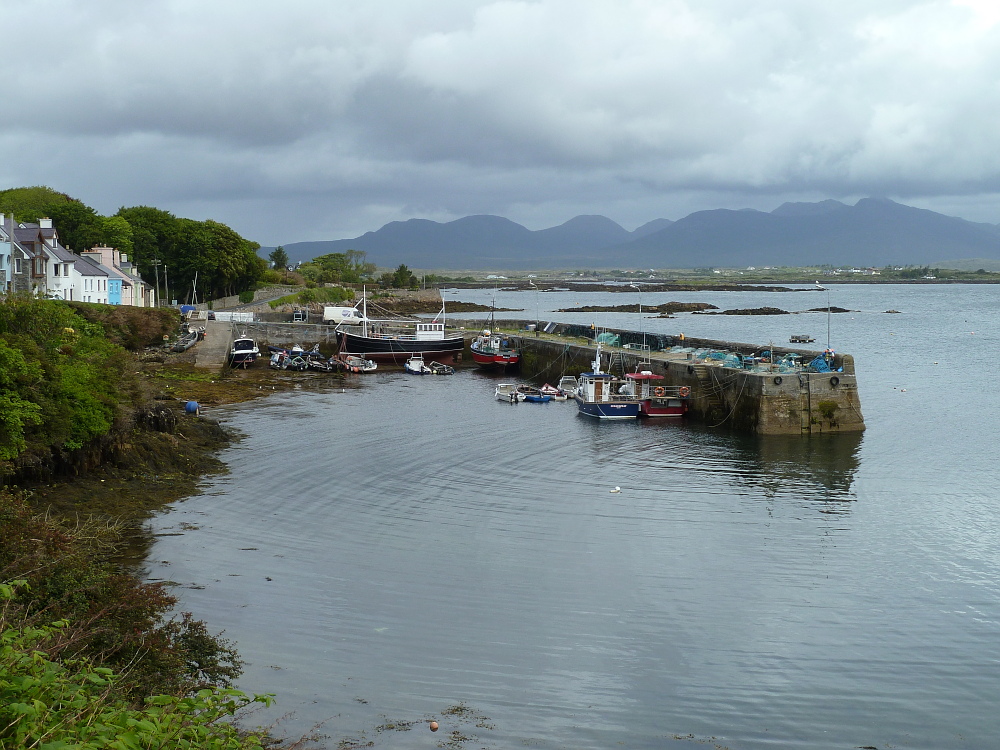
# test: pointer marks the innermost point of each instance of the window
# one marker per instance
(65, 269)
(17, 265)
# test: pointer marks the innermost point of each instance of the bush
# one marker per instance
(62, 369)
(246, 297)
(60, 703)
(118, 621)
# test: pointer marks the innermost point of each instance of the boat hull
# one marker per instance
(608, 409)
(655, 407)
(397, 350)
(499, 361)
(242, 359)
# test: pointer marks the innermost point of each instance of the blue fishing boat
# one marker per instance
(604, 396)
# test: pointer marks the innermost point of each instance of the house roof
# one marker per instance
(62, 254)
(87, 267)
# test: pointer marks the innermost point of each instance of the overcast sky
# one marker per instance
(323, 119)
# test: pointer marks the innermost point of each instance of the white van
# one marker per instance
(337, 315)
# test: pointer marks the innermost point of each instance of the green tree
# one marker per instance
(279, 258)
(117, 232)
(349, 267)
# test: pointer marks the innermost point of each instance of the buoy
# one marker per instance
(191, 407)
(433, 726)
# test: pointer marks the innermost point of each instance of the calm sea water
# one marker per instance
(384, 554)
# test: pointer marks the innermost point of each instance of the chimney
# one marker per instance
(45, 223)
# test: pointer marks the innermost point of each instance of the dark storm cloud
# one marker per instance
(317, 120)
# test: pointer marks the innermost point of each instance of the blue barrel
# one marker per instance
(191, 407)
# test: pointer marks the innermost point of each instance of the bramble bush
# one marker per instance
(118, 621)
(54, 704)
(62, 383)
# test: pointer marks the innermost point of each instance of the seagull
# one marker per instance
(617, 489)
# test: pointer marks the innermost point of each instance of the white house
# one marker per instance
(93, 279)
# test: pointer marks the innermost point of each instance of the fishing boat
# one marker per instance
(508, 392)
(604, 396)
(657, 400)
(415, 365)
(396, 340)
(243, 352)
(493, 350)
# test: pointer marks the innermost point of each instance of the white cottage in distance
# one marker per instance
(32, 259)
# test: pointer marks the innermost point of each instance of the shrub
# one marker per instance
(246, 297)
(51, 703)
(118, 621)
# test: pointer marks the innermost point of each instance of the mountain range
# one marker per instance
(874, 232)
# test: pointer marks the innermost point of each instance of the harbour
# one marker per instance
(816, 591)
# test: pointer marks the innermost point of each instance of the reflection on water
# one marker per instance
(810, 468)
(391, 552)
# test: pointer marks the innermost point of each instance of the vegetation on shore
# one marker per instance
(90, 655)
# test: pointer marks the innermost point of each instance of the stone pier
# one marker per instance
(762, 400)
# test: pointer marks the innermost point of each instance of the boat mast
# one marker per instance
(364, 309)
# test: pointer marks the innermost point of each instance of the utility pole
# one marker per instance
(156, 268)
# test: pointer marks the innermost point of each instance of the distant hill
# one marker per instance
(873, 232)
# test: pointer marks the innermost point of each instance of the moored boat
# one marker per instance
(508, 392)
(658, 400)
(396, 340)
(415, 365)
(533, 395)
(603, 396)
(439, 368)
(552, 391)
(354, 363)
(567, 385)
(493, 350)
(243, 352)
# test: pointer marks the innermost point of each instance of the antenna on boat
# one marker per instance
(642, 327)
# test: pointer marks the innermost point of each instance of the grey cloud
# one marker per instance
(345, 115)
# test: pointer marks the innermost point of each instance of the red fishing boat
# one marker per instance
(658, 400)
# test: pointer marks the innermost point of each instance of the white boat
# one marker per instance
(354, 363)
(509, 392)
(243, 352)
(416, 365)
(567, 385)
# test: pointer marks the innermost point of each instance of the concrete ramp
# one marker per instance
(213, 351)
